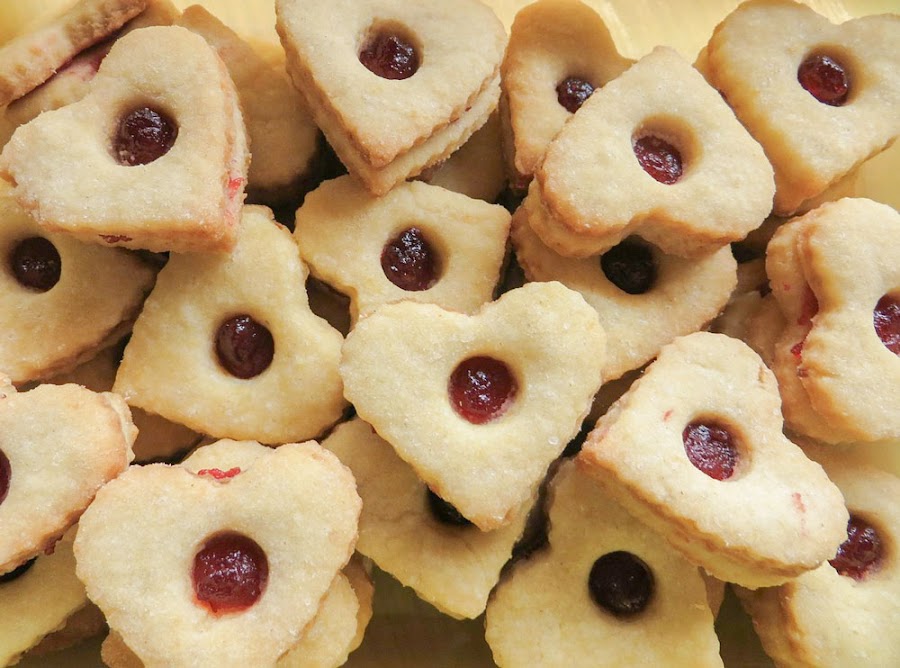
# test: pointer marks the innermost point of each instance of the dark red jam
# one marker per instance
(143, 135)
(410, 262)
(390, 56)
(658, 158)
(862, 552)
(630, 266)
(230, 573)
(886, 318)
(825, 79)
(445, 512)
(5, 476)
(712, 448)
(621, 583)
(573, 92)
(481, 389)
(244, 346)
(17, 572)
(36, 264)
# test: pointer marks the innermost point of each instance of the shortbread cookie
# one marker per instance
(413, 534)
(88, 622)
(695, 450)
(606, 592)
(226, 331)
(559, 52)
(478, 405)
(644, 297)
(154, 157)
(655, 152)
(59, 444)
(289, 519)
(418, 242)
(820, 98)
(60, 298)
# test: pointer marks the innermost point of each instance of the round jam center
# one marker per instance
(572, 93)
(630, 267)
(658, 158)
(410, 262)
(481, 389)
(887, 322)
(5, 476)
(444, 512)
(825, 79)
(621, 583)
(245, 347)
(143, 135)
(390, 57)
(17, 572)
(861, 553)
(712, 448)
(36, 264)
(230, 573)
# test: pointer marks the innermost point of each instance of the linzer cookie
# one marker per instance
(479, 405)
(428, 72)
(159, 144)
(418, 242)
(695, 444)
(820, 98)
(655, 152)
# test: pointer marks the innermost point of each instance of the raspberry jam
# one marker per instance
(17, 572)
(630, 267)
(5, 476)
(445, 512)
(219, 474)
(410, 262)
(481, 389)
(861, 553)
(390, 56)
(571, 93)
(230, 573)
(36, 264)
(244, 346)
(142, 136)
(621, 583)
(658, 158)
(712, 448)
(825, 79)
(886, 318)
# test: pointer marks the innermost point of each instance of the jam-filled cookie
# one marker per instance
(695, 450)
(655, 152)
(606, 591)
(419, 242)
(154, 157)
(479, 405)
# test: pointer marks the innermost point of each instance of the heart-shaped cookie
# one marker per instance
(478, 405)
(153, 551)
(154, 157)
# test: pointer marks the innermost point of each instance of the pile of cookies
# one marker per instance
(548, 335)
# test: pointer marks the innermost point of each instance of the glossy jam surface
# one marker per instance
(621, 583)
(886, 319)
(143, 135)
(219, 474)
(36, 264)
(711, 447)
(230, 573)
(825, 79)
(481, 389)
(244, 346)
(658, 158)
(17, 572)
(5, 476)
(444, 512)
(630, 266)
(573, 92)
(390, 56)
(410, 262)
(862, 552)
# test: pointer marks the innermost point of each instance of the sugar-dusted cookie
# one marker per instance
(416, 536)
(225, 331)
(559, 52)
(418, 242)
(59, 444)
(655, 152)
(154, 157)
(156, 551)
(645, 298)
(695, 450)
(479, 405)
(428, 72)
(60, 298)
(607, 591)
(820, 98)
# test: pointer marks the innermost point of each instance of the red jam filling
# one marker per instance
(219, 474)
(712, 448)
(143, 135)
(621, 583)
(481, 389)
(5, 476)
(445, 512)
(658, 158)
(630, 267)
(17, 572)
(886, 318)
(36, 264)
(410, 262)
(825, 79)
(862, 552)
(244, 346)
(390, 56)
(230, 573)
(572, 93)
